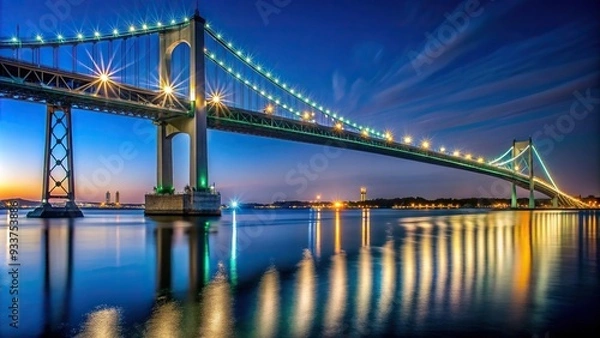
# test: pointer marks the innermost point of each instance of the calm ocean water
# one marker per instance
(305, 273)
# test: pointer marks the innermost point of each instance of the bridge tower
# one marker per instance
(59, 177)
(199, 199)
(518, 147)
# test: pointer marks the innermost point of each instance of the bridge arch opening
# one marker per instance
(178, 60)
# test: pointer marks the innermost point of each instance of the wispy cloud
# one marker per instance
(479, 82)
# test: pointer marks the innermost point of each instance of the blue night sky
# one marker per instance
(515, 69)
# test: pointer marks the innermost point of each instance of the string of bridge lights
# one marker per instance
(273, 79)
(247, 59)
(145, 28)
(96, 35)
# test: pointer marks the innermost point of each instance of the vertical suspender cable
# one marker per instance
(147, 51)
(74, 57)
(137, 62)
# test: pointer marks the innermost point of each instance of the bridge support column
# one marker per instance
(59, 177)
(164, 156)
(200, 199)
(555, 202)
(513, 197)
(531, 181)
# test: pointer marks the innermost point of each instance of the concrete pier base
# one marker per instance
(47, 210)
(196, 203)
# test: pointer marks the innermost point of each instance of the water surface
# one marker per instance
(306, 273)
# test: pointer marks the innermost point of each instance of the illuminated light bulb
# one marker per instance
(425, 144)
(456, 153)
(39, 38)
(480, 160)
(159, 24)
(186, 19)
(269, 109)
(216, 99)
(365, 132)
(168, 90)
(104, 77)
(144, 26)
(442, 149)
(407, 139)
(338, 126)
(80, 36)
(173, 22)
(469, 156)
(306, 115)
(115, 32)
(96, 34)
(60, 37)
(132, 28)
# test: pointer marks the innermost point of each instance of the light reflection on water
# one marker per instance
(305, 287)
(346, 273)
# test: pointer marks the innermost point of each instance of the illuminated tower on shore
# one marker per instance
(107, 202)
(117, 198)
(363, 194)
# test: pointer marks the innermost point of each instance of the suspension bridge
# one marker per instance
(186, 77)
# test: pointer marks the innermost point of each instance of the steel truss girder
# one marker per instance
(28, 82)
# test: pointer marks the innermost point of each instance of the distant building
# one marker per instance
(117, 198)
(363, 194)
(107, 202)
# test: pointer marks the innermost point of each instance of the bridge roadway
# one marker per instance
(33, 83)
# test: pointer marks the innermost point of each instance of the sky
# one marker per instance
(469, 75)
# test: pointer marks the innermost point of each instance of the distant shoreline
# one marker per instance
(405, 203)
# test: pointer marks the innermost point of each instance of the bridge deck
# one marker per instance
(29, 82)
